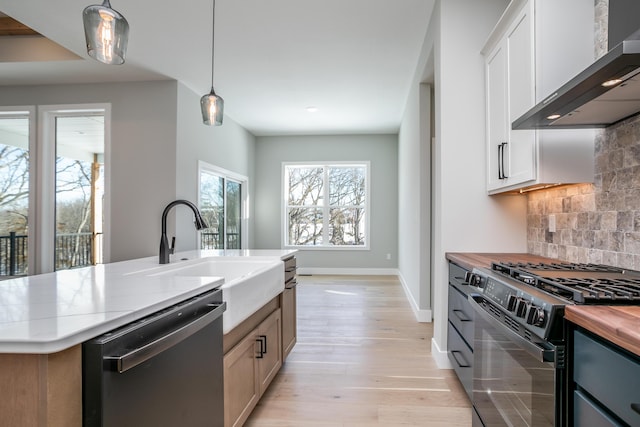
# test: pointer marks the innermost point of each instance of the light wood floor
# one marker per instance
(361, 360)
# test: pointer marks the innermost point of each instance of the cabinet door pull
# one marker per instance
(500, 161)
(264, 337)
(262, 349)
(457, 355)
(636, 407)
(461, 315)
(501, 167)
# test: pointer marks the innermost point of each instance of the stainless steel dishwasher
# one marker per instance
(162, 370)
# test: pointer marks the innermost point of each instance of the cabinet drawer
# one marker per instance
(289, 269)
(456, 274)
(587, 414)
(461, 357)
(461, 314)
(609, 376)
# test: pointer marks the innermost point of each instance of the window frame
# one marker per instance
(326, 207)
(244, 199)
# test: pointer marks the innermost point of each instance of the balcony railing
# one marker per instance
(75, 250)
(13, 255)
(72, 250)
(212, 241)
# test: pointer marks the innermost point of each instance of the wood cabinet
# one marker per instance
(41, 389)
(528, 55)
(288, 303)
(252, 363)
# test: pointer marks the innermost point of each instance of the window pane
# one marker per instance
(79, 190)
(305, 226)
(234, 204)
(347, 226)
(305, 186)
(347, 186)
(14, 195)
(212, 209)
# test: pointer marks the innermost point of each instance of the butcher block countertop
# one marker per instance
(618, 324)
(470, 260)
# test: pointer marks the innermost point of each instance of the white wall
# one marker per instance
(465, 218)
(143, 131)
(229, 146)
(380, 150)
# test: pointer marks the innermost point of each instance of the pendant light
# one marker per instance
(211, 104)
(106, 32)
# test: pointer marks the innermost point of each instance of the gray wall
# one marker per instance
(414, 226)
(229, 146)
(143, 171)
(380, 150)
(157, 137)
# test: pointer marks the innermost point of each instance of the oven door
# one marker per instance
(515, 382)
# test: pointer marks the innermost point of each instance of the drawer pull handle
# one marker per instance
(464, 363)
(636, 407)
(461, 315)
(262, 340)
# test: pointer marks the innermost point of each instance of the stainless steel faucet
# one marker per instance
(165, 250)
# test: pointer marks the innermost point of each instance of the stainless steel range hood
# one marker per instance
(586, 101)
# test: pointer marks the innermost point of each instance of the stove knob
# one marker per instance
(511, 302)
(474, 279)
(535, 316)
(521, 307)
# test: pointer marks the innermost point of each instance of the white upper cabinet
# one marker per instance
(536, 47)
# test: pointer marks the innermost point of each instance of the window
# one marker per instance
(52, 187)
(221, 203)
(326, 205)
(15, 136)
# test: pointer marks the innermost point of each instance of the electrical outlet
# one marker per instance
(552, 223)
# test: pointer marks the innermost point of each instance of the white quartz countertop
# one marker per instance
(48, 313)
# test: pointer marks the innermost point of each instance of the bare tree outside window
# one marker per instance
(326, 205)
(221, 208)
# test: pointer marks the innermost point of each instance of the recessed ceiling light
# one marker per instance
(312, 109)
(553, 117)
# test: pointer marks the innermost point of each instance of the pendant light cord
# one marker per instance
(213, 39)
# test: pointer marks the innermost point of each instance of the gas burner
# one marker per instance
(578, 283)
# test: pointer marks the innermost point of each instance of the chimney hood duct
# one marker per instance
(584, 102)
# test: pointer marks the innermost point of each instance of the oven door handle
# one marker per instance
(536, 350)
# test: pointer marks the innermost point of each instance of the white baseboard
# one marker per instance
(422, 316)
(441, 357)
(302, 271)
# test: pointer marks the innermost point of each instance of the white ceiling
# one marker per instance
(352, 59)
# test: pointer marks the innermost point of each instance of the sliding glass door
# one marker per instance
(14, 192)
(221, 204)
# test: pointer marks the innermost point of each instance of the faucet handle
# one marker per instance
(173, 245)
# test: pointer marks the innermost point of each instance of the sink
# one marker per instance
(249, 283)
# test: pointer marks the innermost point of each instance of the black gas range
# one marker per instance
(520, 346)
(534, 294)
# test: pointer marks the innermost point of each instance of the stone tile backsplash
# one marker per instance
(599, 222)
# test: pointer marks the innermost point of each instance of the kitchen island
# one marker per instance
(45, 318)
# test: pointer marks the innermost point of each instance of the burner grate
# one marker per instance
(580, 283)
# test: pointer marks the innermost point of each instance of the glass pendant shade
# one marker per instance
(106, 32)
(212, 107)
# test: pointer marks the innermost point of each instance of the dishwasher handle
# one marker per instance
(122, 363)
